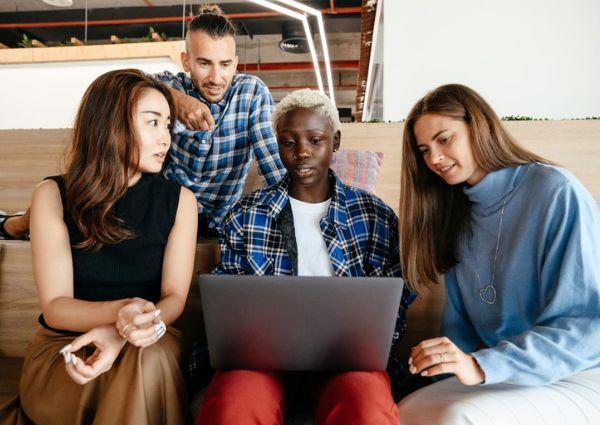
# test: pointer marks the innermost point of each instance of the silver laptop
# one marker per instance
(299, 323)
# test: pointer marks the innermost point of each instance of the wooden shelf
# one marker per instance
(170, 49)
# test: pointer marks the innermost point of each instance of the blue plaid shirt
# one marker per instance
(214, 164)
(360, 232)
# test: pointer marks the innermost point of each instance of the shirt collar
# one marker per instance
(337, 208)
(277, 198)
(491, 190)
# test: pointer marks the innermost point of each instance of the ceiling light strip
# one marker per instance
(366, 115)
(313, 54)
(319, 16)
(59, 3)
(268, 4)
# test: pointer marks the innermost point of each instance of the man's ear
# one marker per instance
(236, 60)
(337, 138)
(185, 61)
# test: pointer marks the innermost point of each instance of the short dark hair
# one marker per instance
(211, 20)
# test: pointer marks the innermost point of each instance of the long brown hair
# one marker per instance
(432, 213)
(104, 149)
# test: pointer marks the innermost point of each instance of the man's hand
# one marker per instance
(437, 356)
(194, 114)
(108, 344)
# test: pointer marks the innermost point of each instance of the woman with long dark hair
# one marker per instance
(517, 241)
(113, 247)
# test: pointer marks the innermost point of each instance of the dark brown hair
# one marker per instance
(210, 19)
(104, 149)
(432, 213)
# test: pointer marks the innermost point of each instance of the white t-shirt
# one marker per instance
(313, 258)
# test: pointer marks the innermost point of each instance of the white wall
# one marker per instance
(538, 58)
(47, 95)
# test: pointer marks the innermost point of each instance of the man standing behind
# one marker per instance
(223, 119)
(212, 155)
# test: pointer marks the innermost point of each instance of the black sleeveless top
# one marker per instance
(131, 268)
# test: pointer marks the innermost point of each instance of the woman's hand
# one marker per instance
(437, 356)
(108, 344)
(139, 322)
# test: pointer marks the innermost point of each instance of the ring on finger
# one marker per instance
(443, 358)
(124, 329)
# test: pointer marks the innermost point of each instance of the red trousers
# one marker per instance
(241, 397)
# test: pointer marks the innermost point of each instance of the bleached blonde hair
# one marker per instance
(307, 99)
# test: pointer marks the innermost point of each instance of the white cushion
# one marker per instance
(572, 401)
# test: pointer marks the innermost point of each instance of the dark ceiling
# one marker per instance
(52, 25)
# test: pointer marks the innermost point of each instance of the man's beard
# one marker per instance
(203, 90)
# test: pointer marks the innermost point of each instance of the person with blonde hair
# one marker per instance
(307, 224)
(113, 246)
(517, 241)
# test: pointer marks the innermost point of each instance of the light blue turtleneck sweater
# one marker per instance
(544, 324)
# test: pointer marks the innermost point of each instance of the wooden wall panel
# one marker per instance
(26, 157)
(19, 307)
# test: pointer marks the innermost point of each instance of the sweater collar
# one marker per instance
(489, 193)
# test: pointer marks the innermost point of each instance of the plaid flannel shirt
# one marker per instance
(214, 164)
(360, 232)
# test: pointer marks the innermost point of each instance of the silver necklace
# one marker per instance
(488, 293)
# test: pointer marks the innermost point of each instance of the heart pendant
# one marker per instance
(488, 294)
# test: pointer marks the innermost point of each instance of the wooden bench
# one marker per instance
(26, 156)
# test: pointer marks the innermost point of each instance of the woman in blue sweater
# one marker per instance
(518, 242)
